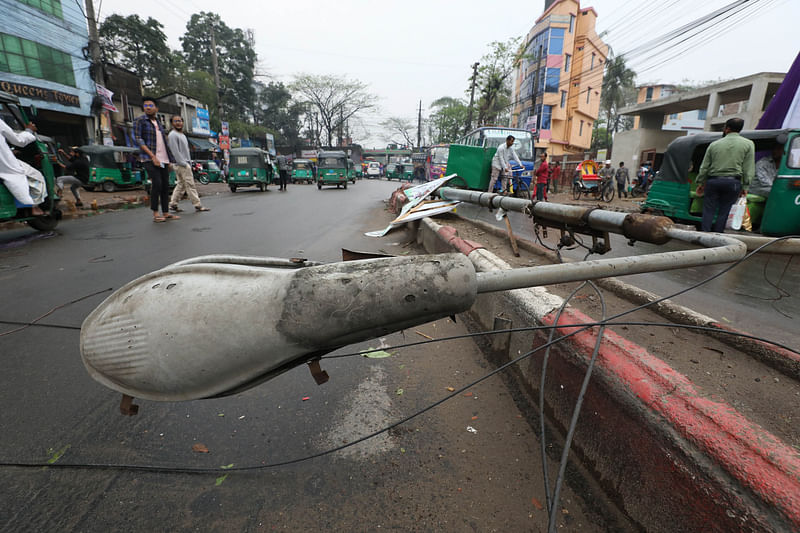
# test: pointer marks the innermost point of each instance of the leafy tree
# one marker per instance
(334, 98)
(599, 137)
(137, 45)
(448, 116)
(236, 59)
(276, 110)
(493, 79)
(618, 90)
(399, 131)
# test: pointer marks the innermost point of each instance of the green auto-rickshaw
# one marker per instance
(40, 154)
(673, 191)
(206, 171)
(112, 167)
(400, 171)
(358, 171)
(333, 169)
(302, 170)
(250, 167)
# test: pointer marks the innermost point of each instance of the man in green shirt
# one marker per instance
(725, 174)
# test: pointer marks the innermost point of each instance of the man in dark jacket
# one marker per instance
(76, 173)
(151, 138)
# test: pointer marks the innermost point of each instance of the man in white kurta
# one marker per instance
(23, 181)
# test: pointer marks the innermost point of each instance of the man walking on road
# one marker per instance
(283, 171)
(501, 163)
(622, 180)
(726, 172)
(155, 156)
(179, 147)
(542, 177)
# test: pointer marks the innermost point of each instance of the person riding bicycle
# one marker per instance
(501, 161)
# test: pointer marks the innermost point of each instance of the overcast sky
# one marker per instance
(415, 50)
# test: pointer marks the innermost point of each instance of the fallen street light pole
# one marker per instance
(595, 220)
(271, 315)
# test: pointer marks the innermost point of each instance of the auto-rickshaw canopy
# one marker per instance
(333, 159)
(683, 154)
(101, 155)
(249, 157)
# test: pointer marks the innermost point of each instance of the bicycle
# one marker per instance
(516, 185)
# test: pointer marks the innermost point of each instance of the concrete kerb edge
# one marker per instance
(698, 459)
(778, 358)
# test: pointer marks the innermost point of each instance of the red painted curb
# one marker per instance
(757, 459)
(450, 235)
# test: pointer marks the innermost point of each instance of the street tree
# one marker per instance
(137, 45)
(335, 99)
(277, 110)
(446, 119)
(399, 131)
(236, 59)
(494, 76)
(618, 91)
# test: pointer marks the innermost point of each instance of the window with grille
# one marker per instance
(51, 7)
(27, 58)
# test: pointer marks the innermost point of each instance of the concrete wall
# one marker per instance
(629, 144)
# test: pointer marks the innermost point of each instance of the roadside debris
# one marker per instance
(417, 207)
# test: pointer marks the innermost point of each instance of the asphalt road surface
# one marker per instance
(471, 464)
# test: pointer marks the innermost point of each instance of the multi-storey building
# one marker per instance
(557, 83)
(42, 61)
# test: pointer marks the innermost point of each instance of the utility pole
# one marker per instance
(216, 71)
(472, 97)
(94, 53)
(419, 127)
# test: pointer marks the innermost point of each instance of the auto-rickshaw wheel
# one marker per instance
(345, 185)
(319, 186)
(261, 187)
(232, 188)
(44, 222)
(108, 186)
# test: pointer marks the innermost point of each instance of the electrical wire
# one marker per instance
(580, 328)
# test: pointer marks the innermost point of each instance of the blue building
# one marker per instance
(43, 54)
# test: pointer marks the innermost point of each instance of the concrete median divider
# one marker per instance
(675, 459)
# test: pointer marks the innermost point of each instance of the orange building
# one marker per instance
(557, 83)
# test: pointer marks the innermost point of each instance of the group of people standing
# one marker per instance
(159, 152)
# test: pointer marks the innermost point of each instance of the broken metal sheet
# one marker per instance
(422, 210)
(416, 195)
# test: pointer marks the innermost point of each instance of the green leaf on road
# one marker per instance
(56, 456)
(220, 479)
(399, 392)
(226, 467)
(375, 354)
